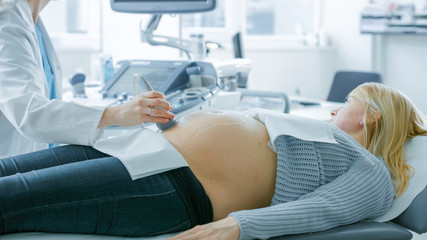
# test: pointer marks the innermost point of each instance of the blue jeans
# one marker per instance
(77, 189)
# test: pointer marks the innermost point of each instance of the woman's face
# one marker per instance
(349, 117)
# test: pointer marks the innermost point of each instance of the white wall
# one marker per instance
(75, 41)
(403, 64)
(341, 21)
(303, 70)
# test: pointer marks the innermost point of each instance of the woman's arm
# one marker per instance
(227, 229)
(354, 196)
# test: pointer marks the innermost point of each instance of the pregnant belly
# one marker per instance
(228, 153)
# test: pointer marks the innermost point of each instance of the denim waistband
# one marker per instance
(196, 200)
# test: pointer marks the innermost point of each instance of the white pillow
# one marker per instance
(416, 156)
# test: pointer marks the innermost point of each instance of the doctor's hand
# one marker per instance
(145, 107)
(224, 229)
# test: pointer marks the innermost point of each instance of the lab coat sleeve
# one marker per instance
(354, 196)
(23, 94)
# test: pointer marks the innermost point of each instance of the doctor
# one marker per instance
(31, 117)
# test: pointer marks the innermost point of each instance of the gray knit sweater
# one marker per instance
(319, 186)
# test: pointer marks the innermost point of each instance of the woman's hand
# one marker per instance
(226, 229)
(145, 107)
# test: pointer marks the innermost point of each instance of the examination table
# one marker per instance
(414, 218)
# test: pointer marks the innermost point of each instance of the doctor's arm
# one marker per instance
(24, 102)
(146, 107)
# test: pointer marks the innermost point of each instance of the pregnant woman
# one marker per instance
(248, 175)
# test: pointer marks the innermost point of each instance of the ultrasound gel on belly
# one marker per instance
(212, 125)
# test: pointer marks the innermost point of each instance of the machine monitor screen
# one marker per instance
(162, 6)
(157, 76)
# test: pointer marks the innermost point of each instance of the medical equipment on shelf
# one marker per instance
(231, 72)
(200, 82)
(232, 77)
(187, 85)
(107, 67)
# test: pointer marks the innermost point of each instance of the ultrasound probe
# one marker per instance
(162, 126)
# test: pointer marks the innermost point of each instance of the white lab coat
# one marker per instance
(28, 119)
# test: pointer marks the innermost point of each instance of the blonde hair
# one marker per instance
(390, 120)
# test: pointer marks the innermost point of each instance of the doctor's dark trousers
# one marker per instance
(77, 189)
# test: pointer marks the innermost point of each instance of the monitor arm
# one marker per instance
(195, 47)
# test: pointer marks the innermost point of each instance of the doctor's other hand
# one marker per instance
(224, 229)
(145, 107)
